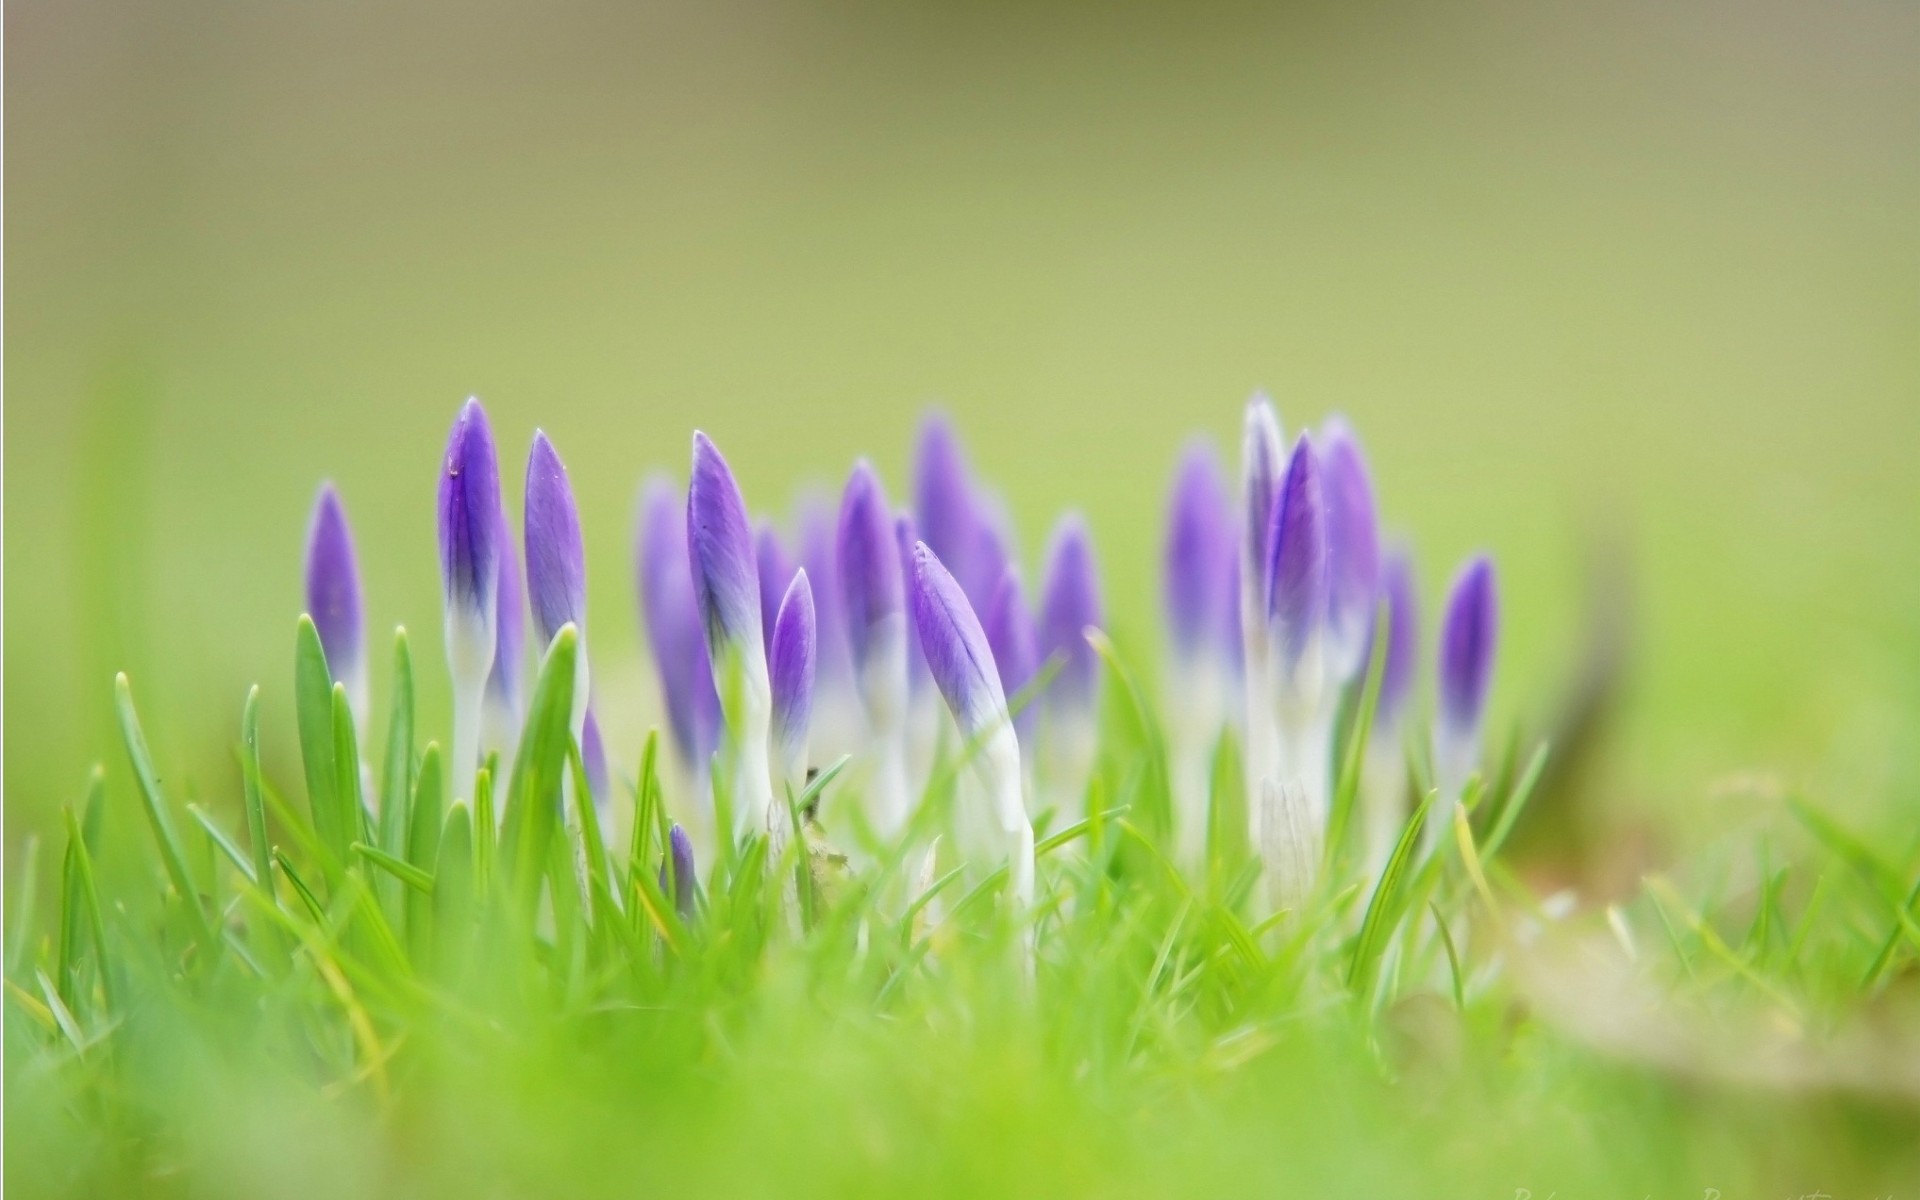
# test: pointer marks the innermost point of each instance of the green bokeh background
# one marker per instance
(1627, 275)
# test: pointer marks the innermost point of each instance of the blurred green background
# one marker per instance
(1620, 274)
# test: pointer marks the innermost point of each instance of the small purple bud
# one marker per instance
(776, 571)
(1468, 634)
(1353, 547)
(958, 657)
(593, 756)
(790, 668)
(1015, 643)
(1297, 579)
(904, 538)
(1201, 552)
(817, 554)
(469, 511)
(1403, 639)
(673, 624)
(556, 558)
(508, 680)
(683, 881)
(333, 590)
(1262, 461)
(726, 577)
(1072, 604)
(870, 571)
(943, 499)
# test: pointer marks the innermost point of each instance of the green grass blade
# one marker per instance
(1516, 803)
(1346, 791)
(396, 788)
(423, 848)
(352, 813)
(400, 869)
(250, 784)
(533, 795)
(148, 779)
(453, 894)
(313, 711)
(1383, 907)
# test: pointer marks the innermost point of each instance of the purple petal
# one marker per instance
(1297, 579)
(593, 756)
(903, 537)
(790, 664)
(1262, 459)
(1072, 604)
(556, 558)
(726, 577)
(673, 627)
(333, 587)
(683, 882)
(1015, 643)
(870, 571)
(817, 553)
(1403, 638)
(510, 632)
(776, 570)
(958, 658)
(469, 511)
(1353, 547)
(1468, 634)
(1200, 584)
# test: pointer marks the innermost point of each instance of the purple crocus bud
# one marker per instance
(816, 524)
(1015, 643)
(683, 880)
(333, 595)
(726, 576)
(1353, 541)
(1071, 605)
(593, 756)
(958, 657)
(776, 571)
(944, 503)
(1403, 639)
(1262, 463)
(469, 546)
(790, 672)
(1297, 577)
(507, 682)
(673, 627)
(1199, 583)
(870, 572)
(905, 539)
(556, 558)
(1469, 632)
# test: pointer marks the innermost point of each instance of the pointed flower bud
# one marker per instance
(870, 571)
(776, 571)
(677, 873)
(1353, 540)
(1199, 583)
(556, 557)
(958, 657)
(790, 669)
(1403, 639)
(904, 538)
(469, 547)
(1468, 634)
(948, 512)
(333, 595)
(1072, 604)
(673, 628)
(816, 522)
(1297, 578)
(1262, 462)
(507, 682)
(1015, 643)
(726, 576)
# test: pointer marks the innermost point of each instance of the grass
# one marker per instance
(313, 993)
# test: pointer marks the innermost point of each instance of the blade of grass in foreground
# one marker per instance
(148, 780)
(1383, 908)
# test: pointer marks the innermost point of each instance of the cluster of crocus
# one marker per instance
(767, 655)
(1283, 599)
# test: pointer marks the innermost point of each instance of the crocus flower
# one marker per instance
(790, 668)
(506, 683)
(682, 882)
(1353, 540)
(333, 596)
(673, 628)
(556, 561)
(873, 595)
(947, 509)
(469, 515)
(1469, 632)
(817, 553)
(1403, 639)
(776, 571)
(963, 668)
(1262, 460)
(1015, 642)
(1200, 592)
(1296, 794)
(726, 588)
(1070, 607)
(1383, 782)
(904, 537)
